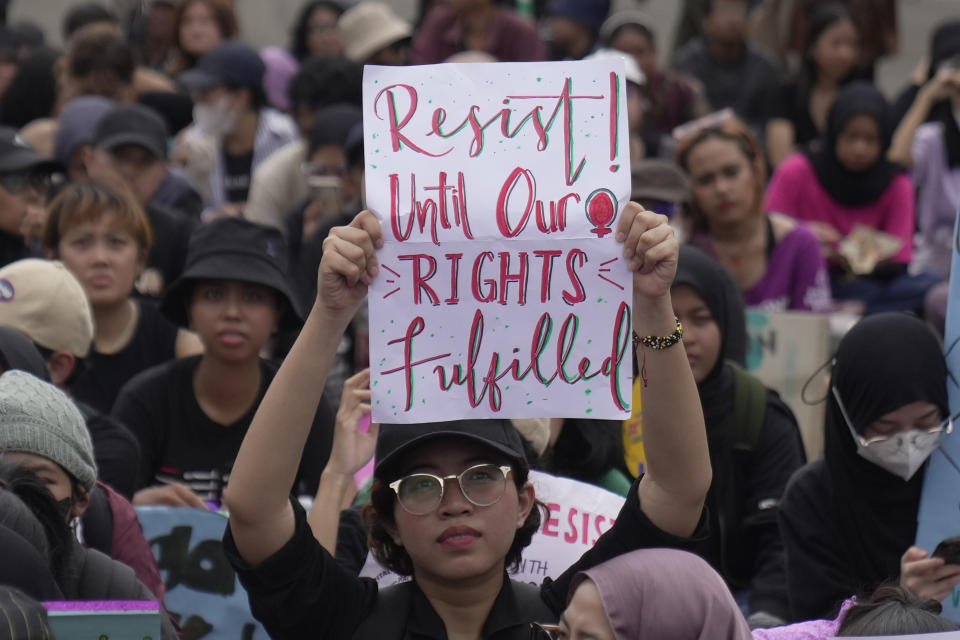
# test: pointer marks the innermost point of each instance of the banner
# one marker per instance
(579, 514)
(104, 620)
(939, 515)
(502, 290)
(202, 588)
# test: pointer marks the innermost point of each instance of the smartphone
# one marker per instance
(949, 550)
(326, 191)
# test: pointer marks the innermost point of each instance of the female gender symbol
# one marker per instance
(601, 209)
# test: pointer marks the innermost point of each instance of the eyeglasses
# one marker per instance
(421, 493)
(18, 183)
(916, 437)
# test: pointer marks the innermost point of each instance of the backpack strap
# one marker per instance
(749, 408)
(388, 620)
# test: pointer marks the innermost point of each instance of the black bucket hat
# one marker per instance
(234, 249)
(396, 439)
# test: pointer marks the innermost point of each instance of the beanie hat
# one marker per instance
(589, 13)
(38, 418)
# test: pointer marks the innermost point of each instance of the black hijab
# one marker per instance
(886, 361)
(945, 44)
(722, 296)
(846, 187)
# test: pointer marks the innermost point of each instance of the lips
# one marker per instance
(101, 280)
(458, 537)
(231, 338)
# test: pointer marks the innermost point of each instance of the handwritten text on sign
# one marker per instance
(502, 291)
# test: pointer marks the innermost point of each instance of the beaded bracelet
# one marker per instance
(657, 343)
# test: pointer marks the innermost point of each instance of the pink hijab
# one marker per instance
(665, 593)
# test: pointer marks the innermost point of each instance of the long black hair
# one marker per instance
(822, 19)
(301, 27)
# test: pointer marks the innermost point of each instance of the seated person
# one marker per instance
(191, 415)
(775, 261)
(847, 181)
(103, 237)
(24, 182)
(451, 505)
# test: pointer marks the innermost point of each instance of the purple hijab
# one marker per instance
(665, 593)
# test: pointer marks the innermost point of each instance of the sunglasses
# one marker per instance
(893, 442)
(421, 493)
(17, 183)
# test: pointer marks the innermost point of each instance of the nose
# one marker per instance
(454, 503)
(231, 305)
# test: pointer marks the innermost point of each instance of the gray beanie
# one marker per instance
(38, 418)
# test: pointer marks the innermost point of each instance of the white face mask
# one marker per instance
(216, 120)
(901, 454)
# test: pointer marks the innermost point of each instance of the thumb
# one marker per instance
(913, 554)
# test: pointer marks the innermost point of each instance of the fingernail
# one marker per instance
(621, 236)
(373, 270)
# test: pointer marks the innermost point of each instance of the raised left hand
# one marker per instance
(651, 248)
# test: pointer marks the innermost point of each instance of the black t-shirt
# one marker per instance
(302, 592)
(171, 235)
(115, 450)
(793, 106)
(180, 443)
(154, 341)
(237, 171)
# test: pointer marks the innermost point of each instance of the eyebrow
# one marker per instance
(468, 462)
(894, 422)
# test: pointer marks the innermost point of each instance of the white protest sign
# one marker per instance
(502, 290)
(579, 514)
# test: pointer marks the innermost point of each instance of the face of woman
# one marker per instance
(916, 415)
(835, 51)
(199, 31)
(701, 333)
(104, 257)
(859, 145)
(584, 618)
(722, 180)
(635, 43)
(233, 319)
(459, 540)
(322, 36)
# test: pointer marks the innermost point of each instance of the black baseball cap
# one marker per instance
(16, 155)
(134, 124)
(396, 439)
(232, 63)
(234, 249)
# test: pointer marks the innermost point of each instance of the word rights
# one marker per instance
(502, 289)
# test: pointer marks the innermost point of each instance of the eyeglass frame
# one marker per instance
(944, 428)
(39, 181)
(504, 469)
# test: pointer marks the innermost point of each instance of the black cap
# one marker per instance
(134, 124)
(234, 249)
(396, 439)
(16, 155)
(232, 63)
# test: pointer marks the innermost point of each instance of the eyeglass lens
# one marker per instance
(482, 485)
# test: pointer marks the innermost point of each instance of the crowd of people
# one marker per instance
(184, 260)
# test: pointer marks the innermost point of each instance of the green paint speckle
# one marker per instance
(588, 392)
(529, 401)
(539, 79)
(588, 411)
(599, 299)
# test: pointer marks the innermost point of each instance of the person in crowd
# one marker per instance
(86, 14)
(49, 307)
(25, 179)
(174, 107)
(200, 25)
(231, 111)
(99, 62)
(847, 181)
(775, 261)
(32, 93)
(17, 352)
(23, 616)
(29, 507)
(575, 26)
(829, 61)
(455, 538)
(587, 450)
(280, 184)
(478, 25)
(848, 520)
(279, 69)
(152, 31)
(73, 143)
(10, 51)
(662, 187)
(652, 593)
(314, 32)
(103, 237)
(928, 141)
(753, 437)
(894, 611)
(131, 141)
(733, 73)
(670, 98)
(373, 34)
(58, 448)
(191, 415)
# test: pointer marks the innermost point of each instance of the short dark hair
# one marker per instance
(301, 27)
(326, 80)
(894, 611)
(101, 51)
(709, 5)
(81, 15)
(378, 516)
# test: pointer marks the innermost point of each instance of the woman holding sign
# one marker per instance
(451, 504)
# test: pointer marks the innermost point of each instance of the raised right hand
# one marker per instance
(349, 264)
(353, 448)
(927, 578)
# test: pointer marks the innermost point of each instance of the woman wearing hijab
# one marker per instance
(847, 518)
(652, 593)
(845, 182)
(754, 444)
